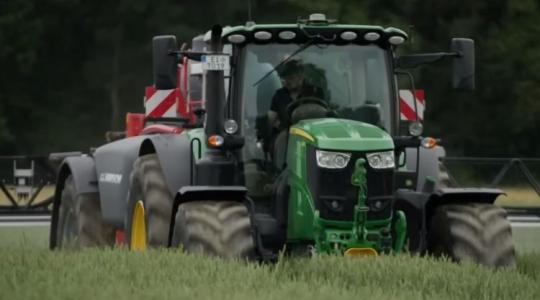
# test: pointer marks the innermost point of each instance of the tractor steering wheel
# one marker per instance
(306, 100)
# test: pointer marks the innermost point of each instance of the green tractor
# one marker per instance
(299, 148)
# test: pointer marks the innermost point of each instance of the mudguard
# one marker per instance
(114, 163)
(175, 155)
(82, 169)
(217, 193)
(419, 207)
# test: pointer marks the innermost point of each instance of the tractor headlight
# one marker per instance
(230, 126)
(332, 160)
(381, 160)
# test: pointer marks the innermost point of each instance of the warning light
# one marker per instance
(215, 141)
(429, 142)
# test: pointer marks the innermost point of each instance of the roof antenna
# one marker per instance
(411, 31)
(250, 21)
(249, 11)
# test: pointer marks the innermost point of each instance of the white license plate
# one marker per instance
(215, 62)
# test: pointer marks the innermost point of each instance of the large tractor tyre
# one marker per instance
(214, 228)
(149, 205)
(80, 223)
(476, 232)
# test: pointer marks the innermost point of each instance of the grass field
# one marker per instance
(119, 274)
(518, 196)
(29, 271)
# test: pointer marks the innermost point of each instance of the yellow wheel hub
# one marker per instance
(138, 228)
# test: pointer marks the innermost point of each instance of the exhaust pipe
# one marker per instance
(215, 168)
(214, 91)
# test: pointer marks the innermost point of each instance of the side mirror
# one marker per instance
(165, 65)
(463, 68)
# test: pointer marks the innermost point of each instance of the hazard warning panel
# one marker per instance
(161, 103)
(407, 105)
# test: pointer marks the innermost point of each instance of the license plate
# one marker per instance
(215, 62)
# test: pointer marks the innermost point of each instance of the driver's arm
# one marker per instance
(273, 116)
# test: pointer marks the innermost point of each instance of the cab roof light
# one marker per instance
(371, 36)
(263, 35)
(237, 38)
(348, 35)
(396, 40)
(287, 35)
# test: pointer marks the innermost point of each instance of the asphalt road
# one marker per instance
(33, 231)
(25, 221)
(531, 221)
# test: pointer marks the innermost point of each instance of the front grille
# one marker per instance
(335, 196)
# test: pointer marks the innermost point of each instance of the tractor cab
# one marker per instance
(292, 73)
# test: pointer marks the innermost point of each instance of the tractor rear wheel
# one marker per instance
(80, 223)
(214, 228)
(477, 232)
(149, 205)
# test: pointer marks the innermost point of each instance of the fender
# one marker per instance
(114, 163)
(175, 155)
(194, 193)
(419, 207)
(83, 170)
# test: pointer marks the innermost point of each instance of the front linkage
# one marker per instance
(362, 237)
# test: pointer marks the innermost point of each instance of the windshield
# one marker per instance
(352, 80)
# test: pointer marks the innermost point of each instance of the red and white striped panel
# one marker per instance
(406, 105)
(161, 103)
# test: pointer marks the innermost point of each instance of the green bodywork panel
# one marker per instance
(342, 134)
(304, 223)
(197, 133)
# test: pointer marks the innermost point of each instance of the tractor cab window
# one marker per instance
(350, 81)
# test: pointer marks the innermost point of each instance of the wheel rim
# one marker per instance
(138, 228)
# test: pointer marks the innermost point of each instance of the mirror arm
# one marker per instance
(415, 60)
(196, 56)
(189, 54)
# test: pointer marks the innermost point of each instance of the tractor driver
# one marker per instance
(294, 88)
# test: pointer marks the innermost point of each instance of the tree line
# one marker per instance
(72, 68)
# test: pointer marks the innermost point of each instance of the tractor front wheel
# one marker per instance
(80, 223)
(215, 228)
(476, 232)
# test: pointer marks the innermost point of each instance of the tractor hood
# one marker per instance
(342, 134)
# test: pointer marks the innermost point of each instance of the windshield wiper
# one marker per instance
(302, 48)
